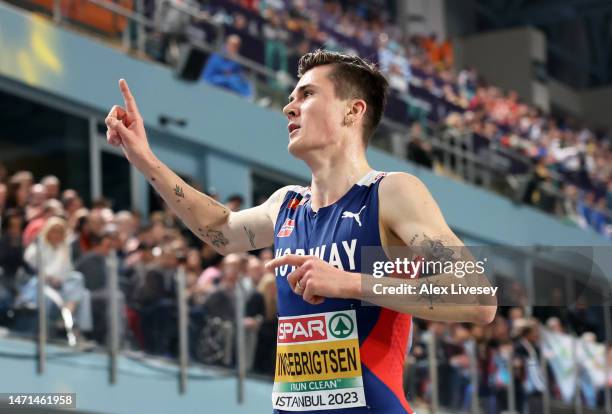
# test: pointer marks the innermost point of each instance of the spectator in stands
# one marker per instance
(235, 202)
(419, 151)
(36, 198)
(3, 190)
(92, 224)
(394, 64)
(11, 257)
(532, 379)
(17, 192)
(3, 174)
(56, 265)
(255, 307)
(94, 268)
(254, 272)
(266, 340)
(50, 208)
(155, 300)
(52, 186)
(172, 19)
(71, 201)
(276, 39)
(221, 71)
(221, 303)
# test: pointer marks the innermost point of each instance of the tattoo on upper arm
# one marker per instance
(435, 250)
(178, 190)
(217, 238)
(251, 236)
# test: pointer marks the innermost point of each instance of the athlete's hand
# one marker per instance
(315, 279)
(125, 128)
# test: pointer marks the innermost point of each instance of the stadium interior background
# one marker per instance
(500, 107)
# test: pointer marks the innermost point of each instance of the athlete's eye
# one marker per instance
(307, 93)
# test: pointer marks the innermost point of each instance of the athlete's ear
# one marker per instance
(357, 108)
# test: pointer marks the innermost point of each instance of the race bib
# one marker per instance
(318, 366)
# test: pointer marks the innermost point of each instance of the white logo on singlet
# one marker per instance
(348, 214)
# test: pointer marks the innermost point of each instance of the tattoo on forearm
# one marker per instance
(413, 239)
(431, 296)
(178, 190)
(217, 238)
(250, 235)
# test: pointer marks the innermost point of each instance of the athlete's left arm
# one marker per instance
(409, 214)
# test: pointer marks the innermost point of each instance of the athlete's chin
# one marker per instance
(296, 147)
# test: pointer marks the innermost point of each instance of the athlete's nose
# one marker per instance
(290, 111)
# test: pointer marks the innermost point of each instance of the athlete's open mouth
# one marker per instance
(292, 127)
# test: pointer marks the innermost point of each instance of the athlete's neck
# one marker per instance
(334, 176)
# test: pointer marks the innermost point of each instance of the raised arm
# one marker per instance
(210, 220)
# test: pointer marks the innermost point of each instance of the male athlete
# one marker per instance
(336, 352)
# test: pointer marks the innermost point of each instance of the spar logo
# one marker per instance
(305, 329)
(341, 325)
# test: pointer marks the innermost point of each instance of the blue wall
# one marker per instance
(84, 71)
(150, 387)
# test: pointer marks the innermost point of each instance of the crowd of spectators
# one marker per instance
(566, 168)
(507, 350)
(48, 230)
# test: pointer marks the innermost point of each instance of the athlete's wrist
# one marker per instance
(353, 288)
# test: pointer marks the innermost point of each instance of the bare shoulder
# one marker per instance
(396, 187)
(273, 203)
(405, 197)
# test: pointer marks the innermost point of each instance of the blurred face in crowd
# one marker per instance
(319, 115)
(516, 313)
(460, 333)
(554, 324)
(38, 195)
(72, 202)
(266, 255)
(23, 191)
(234, 205)
(193, 259)
(14, 225)
(232, 45)
(168, 259)
(255, 269)
(56, 235)
(126, 224)
(231, 267)
(95, 222)
(500, 328)
(533, 334)
(52, 186)
(2, 195)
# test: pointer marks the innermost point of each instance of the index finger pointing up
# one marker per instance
(130, 102)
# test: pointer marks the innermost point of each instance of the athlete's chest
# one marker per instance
(335, 234)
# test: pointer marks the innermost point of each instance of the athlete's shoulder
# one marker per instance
(402, 192)
(275, 201)
(401, 182)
